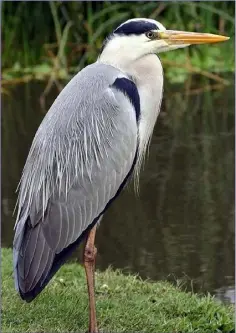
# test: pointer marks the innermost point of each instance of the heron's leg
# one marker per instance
(90, 252)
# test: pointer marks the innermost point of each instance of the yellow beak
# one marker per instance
(184, 37)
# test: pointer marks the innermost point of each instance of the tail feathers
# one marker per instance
(33, 259)
(16, 249)
(35, 263)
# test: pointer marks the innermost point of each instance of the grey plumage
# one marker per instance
(65, 184)
(94, 136)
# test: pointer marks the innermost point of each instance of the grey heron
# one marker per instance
(92, 139)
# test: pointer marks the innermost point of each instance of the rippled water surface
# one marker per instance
(181, 226)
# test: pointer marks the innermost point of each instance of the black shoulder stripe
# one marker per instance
(129, 88)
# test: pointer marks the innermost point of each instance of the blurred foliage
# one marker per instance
(56, 39)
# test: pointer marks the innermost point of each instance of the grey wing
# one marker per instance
(72, 173)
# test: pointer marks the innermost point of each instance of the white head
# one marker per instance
(136, 38)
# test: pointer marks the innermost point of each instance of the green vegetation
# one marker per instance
(124, 304)
(56, 39)
(52, 41)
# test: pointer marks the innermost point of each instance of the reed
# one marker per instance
(45, 39)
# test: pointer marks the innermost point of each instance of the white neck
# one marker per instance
(122, 51)
(147, 73)
(114, 55)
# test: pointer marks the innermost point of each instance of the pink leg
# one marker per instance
(90, 252)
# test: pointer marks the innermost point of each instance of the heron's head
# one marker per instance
(138, 37)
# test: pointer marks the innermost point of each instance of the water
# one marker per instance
(181, 227)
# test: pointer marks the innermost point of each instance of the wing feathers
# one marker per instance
(30, 248)
(34, 259)
(37, 264)
(81, 155)
(63, 229)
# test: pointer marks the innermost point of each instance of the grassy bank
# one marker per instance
(124, 304)
(61, 38)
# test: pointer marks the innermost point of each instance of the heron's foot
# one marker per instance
(92, 331)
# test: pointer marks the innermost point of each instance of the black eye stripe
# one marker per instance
(136, 28)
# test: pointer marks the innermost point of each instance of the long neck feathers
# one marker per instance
(147, 74)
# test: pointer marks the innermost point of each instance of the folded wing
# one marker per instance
(80, 158)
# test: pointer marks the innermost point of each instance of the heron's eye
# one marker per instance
(150, 34)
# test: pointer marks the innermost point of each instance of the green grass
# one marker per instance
(124, 304)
